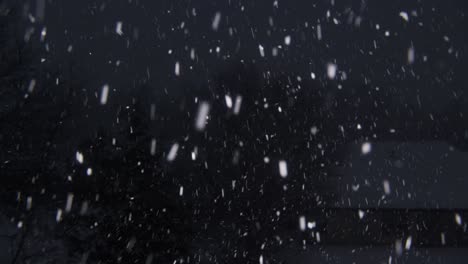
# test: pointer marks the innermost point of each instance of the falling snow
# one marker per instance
(331, 71)
(386, 187)
(104, 94)
(408, 243)
(366, 148)
(79, 157)
(404, 16)
(237, 105)
(177, 69)
(200, 121)
(173, 152)
(361, 214)
(261, 50)
(216, 21)
(283, 168)
(228, 100)
(118, 28)
(302, 223)
(69, 203)
(410, 55)
(233, 132)
(458, 219)
(287, 40)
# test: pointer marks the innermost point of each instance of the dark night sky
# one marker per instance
(373, 151)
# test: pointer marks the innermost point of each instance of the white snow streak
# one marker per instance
(200, 121)
(104, 94)
(366, 148)
(79, 157)
(173, 152)
(216, 21)
(331, 71)
(283, 168)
